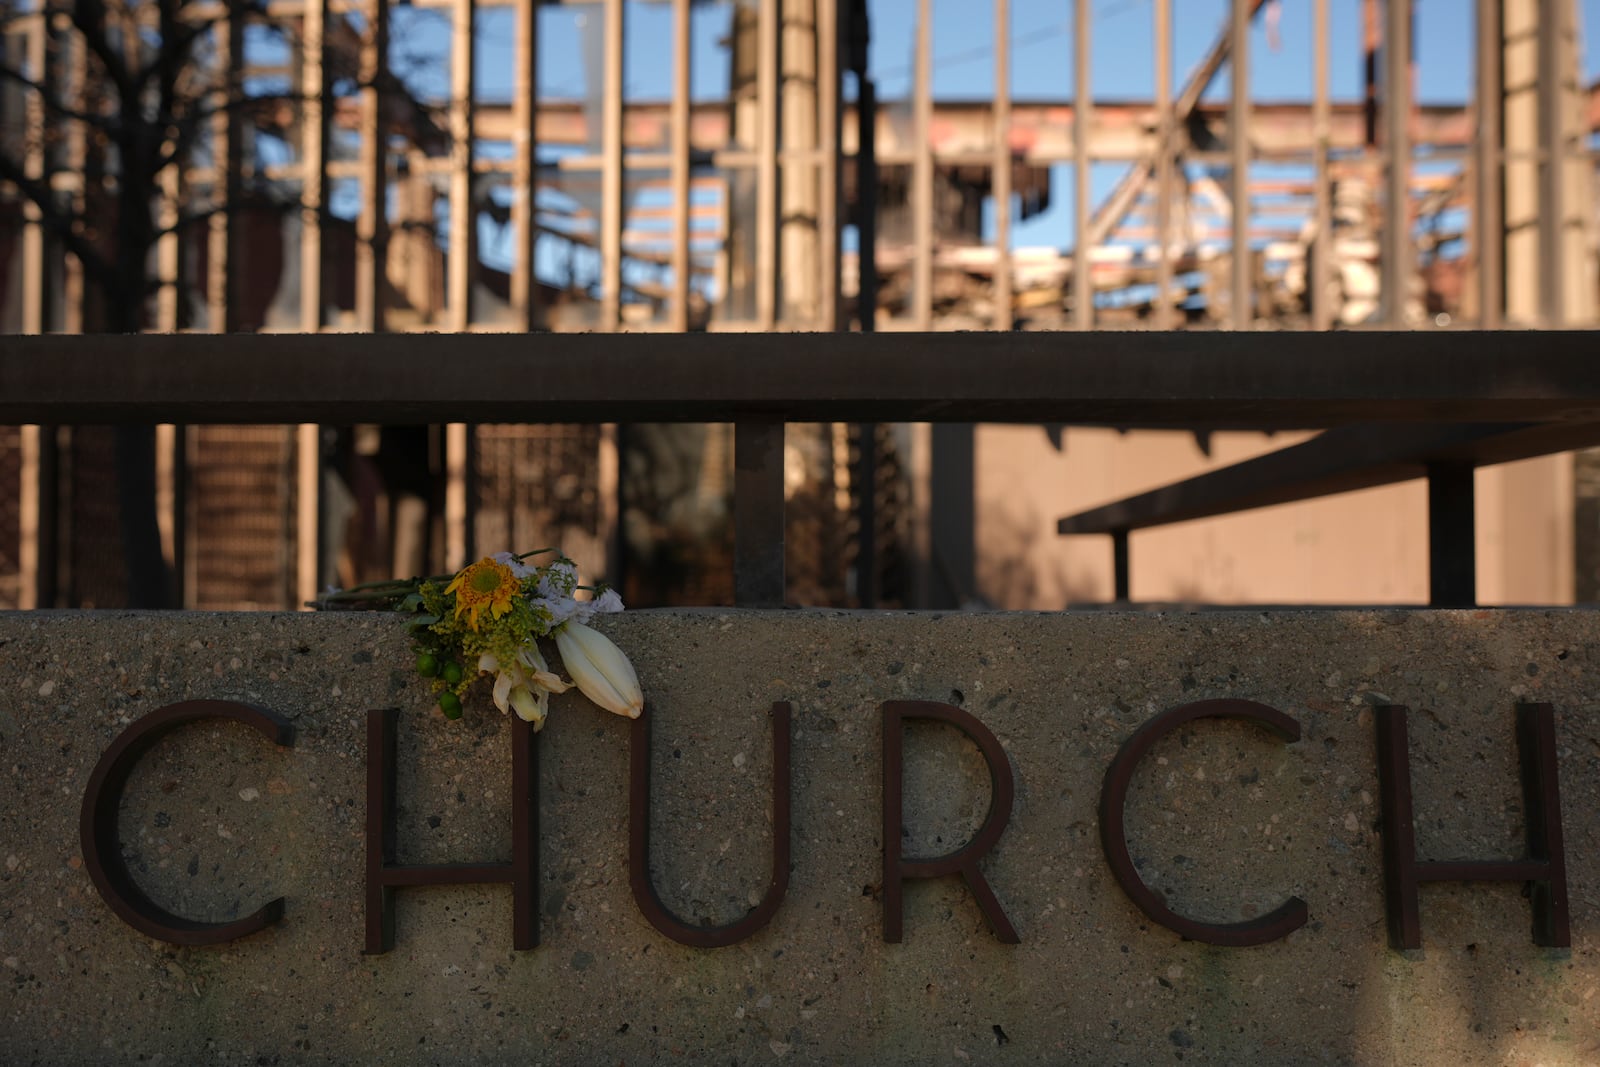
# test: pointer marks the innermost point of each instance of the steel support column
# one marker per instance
(1452, 560)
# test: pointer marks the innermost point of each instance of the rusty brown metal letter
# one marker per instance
(385, 874)
(1544, 868)
(963, 860)
(644, 887)
(1282, 921)
(102, 847)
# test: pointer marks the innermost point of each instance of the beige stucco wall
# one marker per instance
(1368, 547)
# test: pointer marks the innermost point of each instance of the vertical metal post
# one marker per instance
(1397, 246)
(30, 533)
(74, 157)
(47, 561)
(35, 269)
(457, 536)
(830, 131)
(1487, 206)
(1000, 179)
(767, 88)
(463, 219)
(1552, 22)
(867, 204)
(315, 117)
(1243, 275)
(372, 226)
(1318, 271)
(1121, 582)
(611, 172)
(758, 526)
(1452, 562)
(866, 480)
(525, 165)
(682, 265)
(1164, 164)
(308, 528)
(1082, 120)
(227, 182)
(922, 172)
(169, 250)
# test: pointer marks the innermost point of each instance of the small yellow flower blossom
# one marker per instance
(485, 584)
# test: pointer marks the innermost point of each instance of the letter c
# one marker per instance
(1281, 922)
(97, 825)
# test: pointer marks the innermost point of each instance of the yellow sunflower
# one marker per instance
(485, 584)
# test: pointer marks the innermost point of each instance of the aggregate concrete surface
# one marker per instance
(1224, 819)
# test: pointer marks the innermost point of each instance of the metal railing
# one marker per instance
(1258, 381)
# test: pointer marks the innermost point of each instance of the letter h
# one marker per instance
(385, 874)
(1544, 867)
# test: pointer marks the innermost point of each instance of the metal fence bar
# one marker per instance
(1243, 276)
(1000, 178)
(1398, 253)
(681, 265)
(315, 97)
(829, 186)
(1187, 379)
(1082, 117)
(922, 173)
(1553, 88)
(462, 255)
(611, 174)
(35, 273)
(768, 90)
(525, 165)
(1322, 252)
(758, 515)
(372, 225)
(1486, 222)
(227, 178)
(1164, 163)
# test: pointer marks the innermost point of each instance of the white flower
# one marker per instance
(559, 579)
(561, 608)
(519, 569)
(607, 602)
(524, 686)
(602, 672)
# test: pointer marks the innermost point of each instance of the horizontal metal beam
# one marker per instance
(1193, 379)
(1341, 460)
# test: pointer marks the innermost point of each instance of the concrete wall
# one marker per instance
(1224, 819)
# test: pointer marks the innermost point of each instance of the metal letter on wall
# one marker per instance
(1282, 921)
(1544, 867)
(644, 888)
(102, 847)
(385, 874)
(963, 860)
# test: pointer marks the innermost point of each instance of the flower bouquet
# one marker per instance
(488, 619)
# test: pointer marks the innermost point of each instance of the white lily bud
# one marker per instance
(602, 672)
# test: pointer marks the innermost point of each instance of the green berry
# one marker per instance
(427, 665)
(452, 673)
(450, 704)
